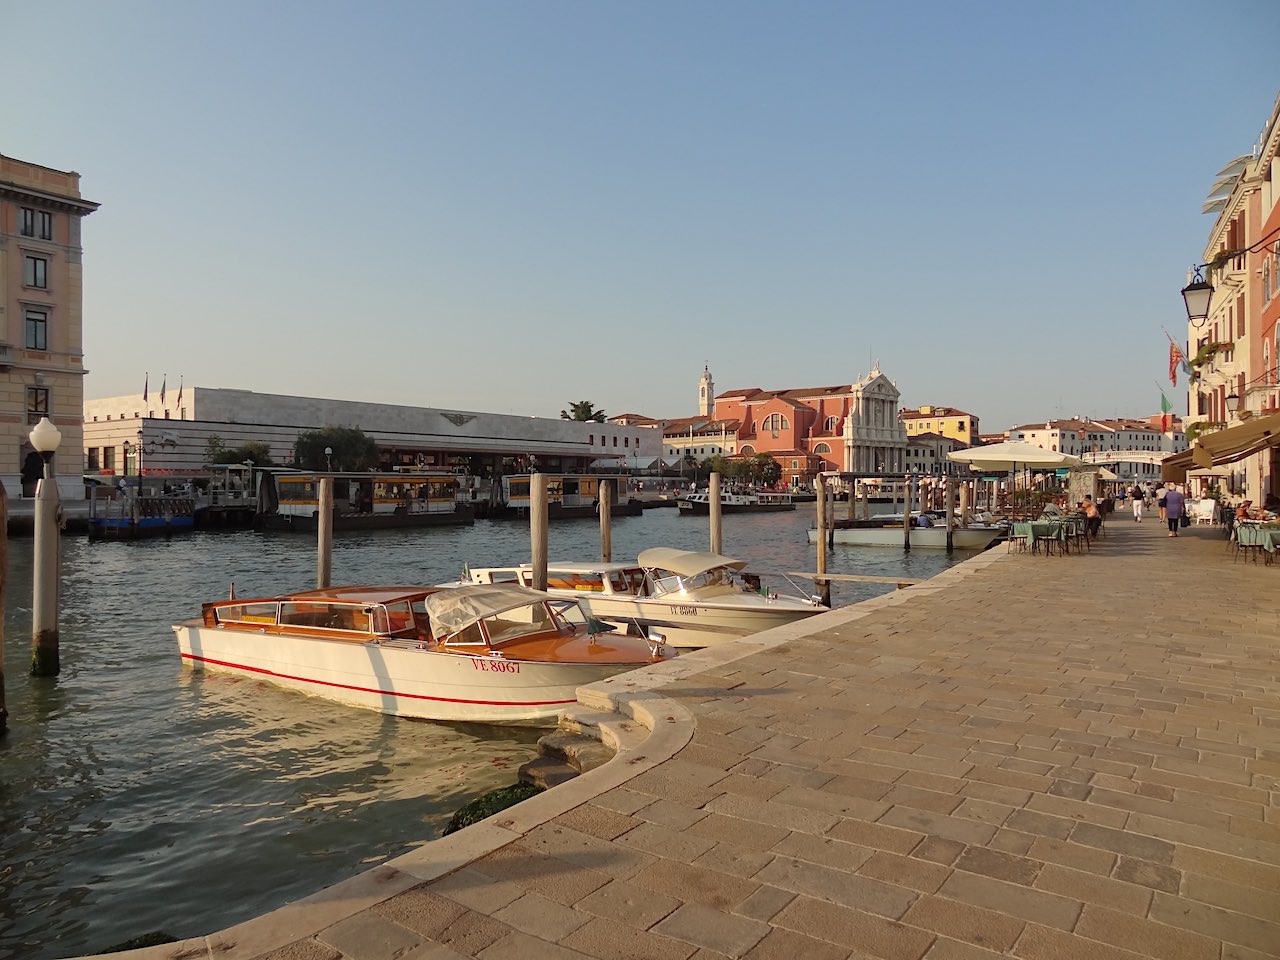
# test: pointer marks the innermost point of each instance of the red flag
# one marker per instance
(1175, 355)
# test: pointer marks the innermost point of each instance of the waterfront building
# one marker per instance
(946, 421)
(1134, 449)
(41, 321)
(927, 453)
(173, 434)
(1236, 350)
(850, 427)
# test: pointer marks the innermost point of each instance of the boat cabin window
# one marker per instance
(325, 615)
(246, 613)
(720, 576)
(585, 582)
(401, 620)
(521, 622)
(501, 576)
(628, 581)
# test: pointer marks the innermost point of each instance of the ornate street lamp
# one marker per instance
(44, 602)
(1197, 295)
(1233, 401)
(328, 458)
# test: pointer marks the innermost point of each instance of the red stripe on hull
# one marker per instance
(389, 693)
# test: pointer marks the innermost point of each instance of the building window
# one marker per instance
(795, 464)
(36, 272)
(109, 458)
(615, 441)
(832, 424)
(822, 448)
(591, 439)
(28, 227)
(37, 404)
(91, 460)
(46, 225)
(626, 441)
(37, 330)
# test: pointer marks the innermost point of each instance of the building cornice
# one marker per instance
(16, 191)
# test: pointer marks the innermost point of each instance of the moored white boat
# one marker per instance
(699, 504)
(929, 538)
(691, 599)
(475, 653)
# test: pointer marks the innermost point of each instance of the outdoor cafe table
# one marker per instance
(1268, 533)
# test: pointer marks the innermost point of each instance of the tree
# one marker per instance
(766, 469)
(352, 449)
(582, 411)
(254, 451)
(214, 448)
(718, 464)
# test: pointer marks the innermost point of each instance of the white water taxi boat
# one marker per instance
(889, 534)
(699, 504)
(475, 653)
(690, 599)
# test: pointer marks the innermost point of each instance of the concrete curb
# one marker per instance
(632, 695)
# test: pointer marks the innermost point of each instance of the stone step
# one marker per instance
(612, 729)
(580, 751)
(546, 772)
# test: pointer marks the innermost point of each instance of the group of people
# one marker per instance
(1171, 502)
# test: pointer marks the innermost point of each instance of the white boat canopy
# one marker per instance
(456, 609)
(685, 563)
(1012, 455)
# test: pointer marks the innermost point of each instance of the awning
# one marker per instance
(1224, 446)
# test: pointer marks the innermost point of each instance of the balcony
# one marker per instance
(6, 356)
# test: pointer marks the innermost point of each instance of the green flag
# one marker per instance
(1165, 407)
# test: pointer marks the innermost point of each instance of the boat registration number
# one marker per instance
(496, 666)
(683, 609)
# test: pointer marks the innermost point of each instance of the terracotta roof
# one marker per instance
(910, 414)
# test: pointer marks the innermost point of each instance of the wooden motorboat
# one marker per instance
(690, 599)
(474, 653)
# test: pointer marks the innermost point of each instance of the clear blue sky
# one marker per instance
(508, 206)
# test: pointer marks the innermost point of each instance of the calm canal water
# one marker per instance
(138, 796)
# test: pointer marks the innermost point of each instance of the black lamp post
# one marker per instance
(1197, 295)
(1233, 401)
(328, 458)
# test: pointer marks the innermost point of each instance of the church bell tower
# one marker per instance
(706, 393)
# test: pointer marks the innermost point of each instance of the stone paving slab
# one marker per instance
(1028, 756)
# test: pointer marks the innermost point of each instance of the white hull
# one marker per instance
(690, 623)
(395, 678)
(925, 538)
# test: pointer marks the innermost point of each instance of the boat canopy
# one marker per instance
(685, 563)
(456, 609)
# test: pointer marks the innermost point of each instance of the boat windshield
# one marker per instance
(520, 622)
(716, 577)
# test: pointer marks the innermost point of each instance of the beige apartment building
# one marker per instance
(944, 421)
(41, 325)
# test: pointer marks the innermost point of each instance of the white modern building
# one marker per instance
(1133, 449)
(175, 434)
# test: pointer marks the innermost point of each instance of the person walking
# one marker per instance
(1137, 497)
(1174, 504)
(1160, 494)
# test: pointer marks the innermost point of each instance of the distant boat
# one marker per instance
(473, 653)
(699, 504)
(568, 495)
(885, 530)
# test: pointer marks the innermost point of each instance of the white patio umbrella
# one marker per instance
(1012, 455)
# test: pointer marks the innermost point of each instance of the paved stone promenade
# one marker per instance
(1037, 757)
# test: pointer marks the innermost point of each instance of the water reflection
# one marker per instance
(139, 796)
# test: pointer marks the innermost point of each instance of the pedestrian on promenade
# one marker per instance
(1161, 494)
(1137, 504)
(1174, 504)
(1092, 516)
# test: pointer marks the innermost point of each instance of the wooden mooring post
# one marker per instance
(606, 521)
(324, 534)
(4, 580)
(946, 501)
(538, 529)
(823, 584)
(907, 500)
(713, 511)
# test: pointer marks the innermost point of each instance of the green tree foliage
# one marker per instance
(352, 449)
(214, 448)
(582, 410)
(255, 451)
(765, 469)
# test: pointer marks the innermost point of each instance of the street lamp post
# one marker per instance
(328, 459)
(45, 437)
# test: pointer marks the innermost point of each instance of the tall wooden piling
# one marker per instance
(538, 529)
(823, 584)
(713, 509)
(324, 534)
(907, 501)
(45, 660)
(946, 505)
(866, 500)
(851, 504)
(606, 521)
(964, 502)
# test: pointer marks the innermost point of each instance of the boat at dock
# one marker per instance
(131, 515)
(699, 504)
(471, 653)
(885, 530)
(569, 495)
(690, 599)
(363, 501)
